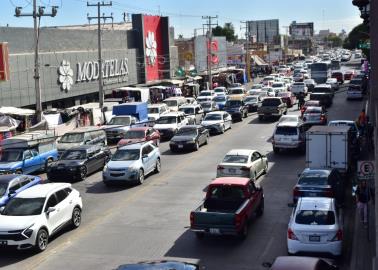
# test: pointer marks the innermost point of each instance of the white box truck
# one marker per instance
(328, 147)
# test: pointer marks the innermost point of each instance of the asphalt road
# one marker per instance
(124, 225)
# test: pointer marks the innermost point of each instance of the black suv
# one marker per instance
(236, 108)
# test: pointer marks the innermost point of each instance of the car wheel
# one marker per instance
(276, 150)
(141, 177)
(83, 172)
(42, 240)
(19, 171)
(76, 217)
(158, 166)
(157, 142)
(260, 209)
(196, 146)
(223, 129)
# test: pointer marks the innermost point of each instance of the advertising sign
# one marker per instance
(4, 62)
(218, 55)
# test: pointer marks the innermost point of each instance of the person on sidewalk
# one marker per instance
(361, 121)
(363, 196)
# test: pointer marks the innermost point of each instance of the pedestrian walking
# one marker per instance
(363, 195)
(301, 100)
(361, 121)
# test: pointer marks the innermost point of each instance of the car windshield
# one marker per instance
(72, 138)
(3, 188)
(313, 180)
(187, 132)
(233, 103)
(313, 110)
(212, 117)
(257, 86)
(126, 155)
(166, 120)
(235, 159)
(171, 103)
(277, 85)
(205, 94)
(187, 110)
(219, 90)
(153, 110)
(226, 193)
(308, 81)
(24, 207)
(206, 105)
(236, 91)
(289, 131)
(74, 155)
(271, 102)
(11, 156)
(315, 217)
(220, 99)
(250, 99)
(125, 121)
(134, 134)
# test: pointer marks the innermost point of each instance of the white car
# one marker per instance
(333, 83)
(315, 227)
(217, 122)
(257, 86)
(269, 90)
(170, 123)
(157, 110)
(201, 99)
(299, 87)
(35, 214)
(279, 87)
(220, 91)
(207, 93)
(291, 118)
(243, 163)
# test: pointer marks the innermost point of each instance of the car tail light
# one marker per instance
(191, 219)
(322, 118)
(220, 167)
(296, 192)
(244, 168)
(338, 236)
(291, 235)
(238, 220)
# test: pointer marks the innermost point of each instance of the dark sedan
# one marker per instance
(189, 137)
(252, 102)
(320, 183)
(78, 162)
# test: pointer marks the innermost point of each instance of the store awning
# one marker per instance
(258, 61)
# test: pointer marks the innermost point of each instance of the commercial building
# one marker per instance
(139, 54)
(265, 31)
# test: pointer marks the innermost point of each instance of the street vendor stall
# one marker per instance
(26, 117)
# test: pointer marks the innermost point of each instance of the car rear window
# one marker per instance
(312, 180)
(315, 217)
(235, 159)
(321, 90)
(271, 102)
(286, 131)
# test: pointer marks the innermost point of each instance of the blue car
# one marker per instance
(11, 185)
(220, 101)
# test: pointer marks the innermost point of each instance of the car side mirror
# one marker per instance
(50, 209)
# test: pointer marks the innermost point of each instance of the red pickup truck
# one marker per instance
(229, 205)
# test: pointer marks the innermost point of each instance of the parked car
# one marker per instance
(220, 101)
(140, 134)
(354, 92)
(78, 162)
(132, 163)
(289, 135)
(229, 204)
(243, 163)
(236, 108)
(300, 263)
(339, 76)
(271, 107)
(209, 106)
(157, 110)
(11, 185)
(315, 116)
(217, 122)
(36, 214)
(189, 137)
(253, 103)
(193, 112)
(288, 97)
(320, 183)
(169, 123)
(314, 226)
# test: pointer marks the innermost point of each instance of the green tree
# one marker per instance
(227, 31)
(359, 34)
(334, 41)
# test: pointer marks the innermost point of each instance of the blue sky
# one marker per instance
(185, 15)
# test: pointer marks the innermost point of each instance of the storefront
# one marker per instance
(69, 61)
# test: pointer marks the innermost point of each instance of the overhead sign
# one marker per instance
(365, 170)
(4, 62)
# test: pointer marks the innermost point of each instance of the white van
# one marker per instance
(289, 135)
(174, 103)
(157, 110)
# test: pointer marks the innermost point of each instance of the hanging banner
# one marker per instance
(4, 62)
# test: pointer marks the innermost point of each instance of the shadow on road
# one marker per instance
(100, 188)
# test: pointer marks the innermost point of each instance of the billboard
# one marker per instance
(301, 30)
(4, 62)
(218, 55)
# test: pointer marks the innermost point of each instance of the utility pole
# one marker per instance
(37, 13)
(99, 17)
(195, 31)
(247, 54)
(209, 52)
(286, 44)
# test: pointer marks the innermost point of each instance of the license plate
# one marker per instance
(180, 146)
(214, 231)
(232, 170)
(3, 243)
(314, 238)
(312, 194)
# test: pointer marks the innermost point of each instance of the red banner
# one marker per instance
(4, 62)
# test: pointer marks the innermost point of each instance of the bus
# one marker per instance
(320, 72)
